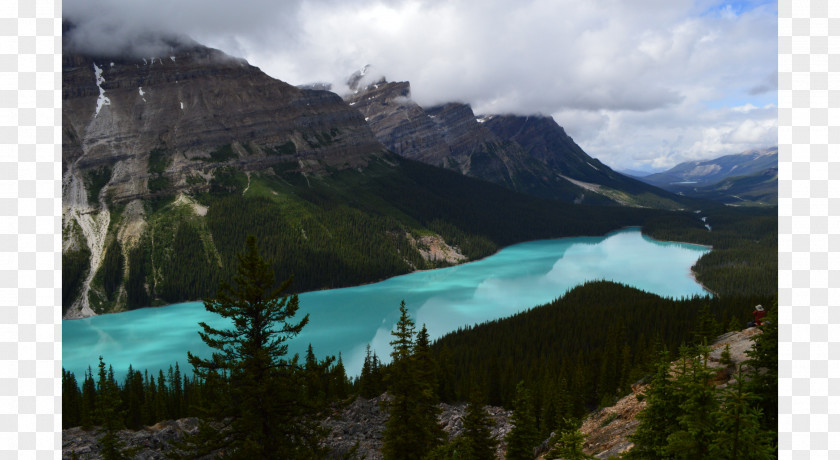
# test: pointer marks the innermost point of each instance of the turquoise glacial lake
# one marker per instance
(346, 320)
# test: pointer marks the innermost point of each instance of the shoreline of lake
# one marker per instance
(606, 235)
(345, 320)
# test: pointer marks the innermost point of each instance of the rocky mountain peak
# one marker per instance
(365, 79)
(530, 154)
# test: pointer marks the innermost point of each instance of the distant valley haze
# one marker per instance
(640, 85)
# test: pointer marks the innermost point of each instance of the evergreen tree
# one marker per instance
(161, 396)
(523, 438)
(133, 399)
(763, 371)
(425, 373)
(265, 412)
(410, 433)
(317, 378)
(739, 435)
(176, 393)
(377, 374)
(135, 283)
(455, 449)
(113, 266)
(108, 415)
(313, 371)
(366, 380)
(697, 407)
(88, 400)
(659, 417)
(150, 393)
(705, 328)
(446, 375)
(735, 325)
(477, 430)
(568, 445)
(339, 385)
(71, 400)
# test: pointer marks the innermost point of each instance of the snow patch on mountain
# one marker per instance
(102, 100)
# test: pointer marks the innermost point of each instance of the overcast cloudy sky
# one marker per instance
(641, 84)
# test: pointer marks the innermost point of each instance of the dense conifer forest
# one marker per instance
(744, 259)
(555, 362)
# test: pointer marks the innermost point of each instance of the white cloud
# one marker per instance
(633, 82)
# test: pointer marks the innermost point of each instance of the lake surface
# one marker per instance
(346, 320)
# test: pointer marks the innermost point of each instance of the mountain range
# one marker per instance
(747, 178)
(529, 154)
(170, 161)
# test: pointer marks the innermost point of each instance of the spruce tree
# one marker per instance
(338, 380)
(523, 438)
(425, 373)
(88, 404)
(366, 384)
(705, 326)
(446, 375)
(698, 405)
(477, 430)
(108, 415)
(264, 414)
(411, 430)
(658, 419)
(71, 400)
(112, 265)
(739, 435)
(763, 371)
(133, 399)
(568, 445)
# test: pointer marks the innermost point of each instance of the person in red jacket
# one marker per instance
(758, 314)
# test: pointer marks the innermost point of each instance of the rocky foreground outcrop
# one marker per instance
(608, 429)
(363, 421)
(357, 426)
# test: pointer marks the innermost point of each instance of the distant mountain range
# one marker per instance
(529, 154)
(749, 177)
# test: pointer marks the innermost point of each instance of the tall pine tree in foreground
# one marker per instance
(659, 418)
(477, 430)
(108, 415)
(763, 372)
(739, 434)
(524, 436)
(411, 430)
(264, 416)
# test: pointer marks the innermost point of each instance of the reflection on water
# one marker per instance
(346, 320)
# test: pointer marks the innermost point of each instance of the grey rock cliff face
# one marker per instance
(450, 136)
(190, 104)
(529, 154)
(399, 123)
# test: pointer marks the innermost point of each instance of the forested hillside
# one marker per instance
(344, 228)
(744, 259)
